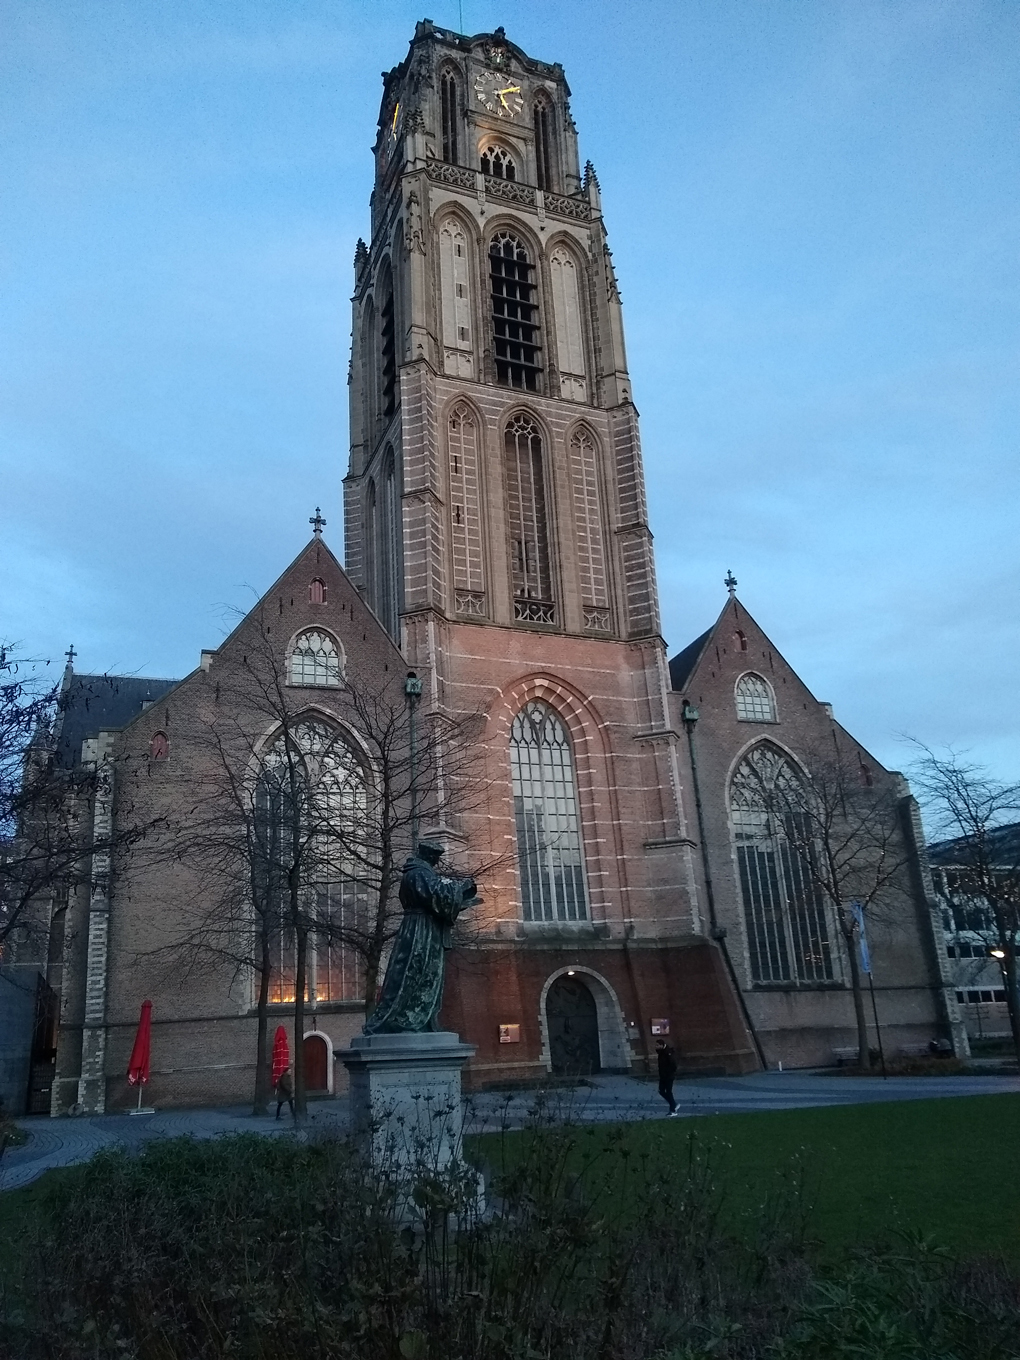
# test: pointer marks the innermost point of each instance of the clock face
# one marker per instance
(499, 93)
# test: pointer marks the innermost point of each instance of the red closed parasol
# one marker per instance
(138, 1067)
(281, 1053)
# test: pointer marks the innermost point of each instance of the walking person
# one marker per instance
(285, 1092)
(666, 1057)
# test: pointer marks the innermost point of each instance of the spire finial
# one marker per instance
(317, 523)
(70, 654)
(730, 583)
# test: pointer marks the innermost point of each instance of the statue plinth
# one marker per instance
(405, 1101)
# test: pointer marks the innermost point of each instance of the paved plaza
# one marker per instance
(603, 1099)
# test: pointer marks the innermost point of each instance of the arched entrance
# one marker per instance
(573, 1027)
(316, 1063)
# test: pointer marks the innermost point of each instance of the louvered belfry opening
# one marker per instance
(388, 355)
(530, 574)
(543, 144)
(449, 102)
(514, 314)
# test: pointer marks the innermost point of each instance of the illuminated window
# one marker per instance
(754, 699)
(549, 851)
(310, 828)
(787, 933)
(315, 660)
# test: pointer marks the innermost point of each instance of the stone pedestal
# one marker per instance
(405, 1100)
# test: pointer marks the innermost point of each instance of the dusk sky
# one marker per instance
(813, 208)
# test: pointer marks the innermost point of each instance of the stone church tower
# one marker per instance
(496, 522)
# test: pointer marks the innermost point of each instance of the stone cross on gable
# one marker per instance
(70, 654)
(730, 583)
(317, 523)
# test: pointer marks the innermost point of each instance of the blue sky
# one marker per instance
(814, 215)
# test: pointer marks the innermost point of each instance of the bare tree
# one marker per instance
(300, 827)
(48, 839)
(981, 880)
(841, 836)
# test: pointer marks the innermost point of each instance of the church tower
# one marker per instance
(495, 519)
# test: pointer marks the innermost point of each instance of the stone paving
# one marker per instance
(64, 1142)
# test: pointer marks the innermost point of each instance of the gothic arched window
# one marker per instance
(787, 933)
(549, 850)
(566, 302)
(449, 98)
(465, 511)
(455, 299)
(530, 573)
(315, 660)
(159, 746)
(498, 162)
(755, 702)
(590, 536)
(545, 143)
(310, 827)
(317, 591)
(387, 547)
(387, 352)
(514, 313)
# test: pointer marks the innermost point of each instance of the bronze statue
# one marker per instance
(412, 990)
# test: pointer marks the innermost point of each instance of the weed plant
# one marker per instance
(274, 1249)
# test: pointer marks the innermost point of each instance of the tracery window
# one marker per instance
(449, 97)
(754, 699)
(315, 660)
(549, 849)
(498, 162)
(590, 540)
(310, 829)
(544, 143)
(566, 301)
(787, 931)
(530, 574)
(514, 313)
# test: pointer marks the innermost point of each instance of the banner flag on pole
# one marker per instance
(858, 912)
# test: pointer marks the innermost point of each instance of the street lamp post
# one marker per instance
(412, 692)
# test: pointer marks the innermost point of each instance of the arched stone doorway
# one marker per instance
(316, 1063)
(573, 1027)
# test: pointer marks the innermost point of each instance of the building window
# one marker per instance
(159, 746)
(450, 100)
(514, 314)
(310, 825)
(754, 699)
(317, 591)
(530, 574)
(387, 356)
(787, 933)
(544, 143)
(549, 851)
(498, 162)
(315, 660)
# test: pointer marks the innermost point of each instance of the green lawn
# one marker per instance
(947, 1168)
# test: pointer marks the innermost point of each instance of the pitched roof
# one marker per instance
(682, 665)
(93, 703)
(1003, 846)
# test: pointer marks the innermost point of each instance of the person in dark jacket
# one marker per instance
(666, 1057)
(285, 1092)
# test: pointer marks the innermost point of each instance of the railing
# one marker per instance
(511, 190)
(534, 611)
